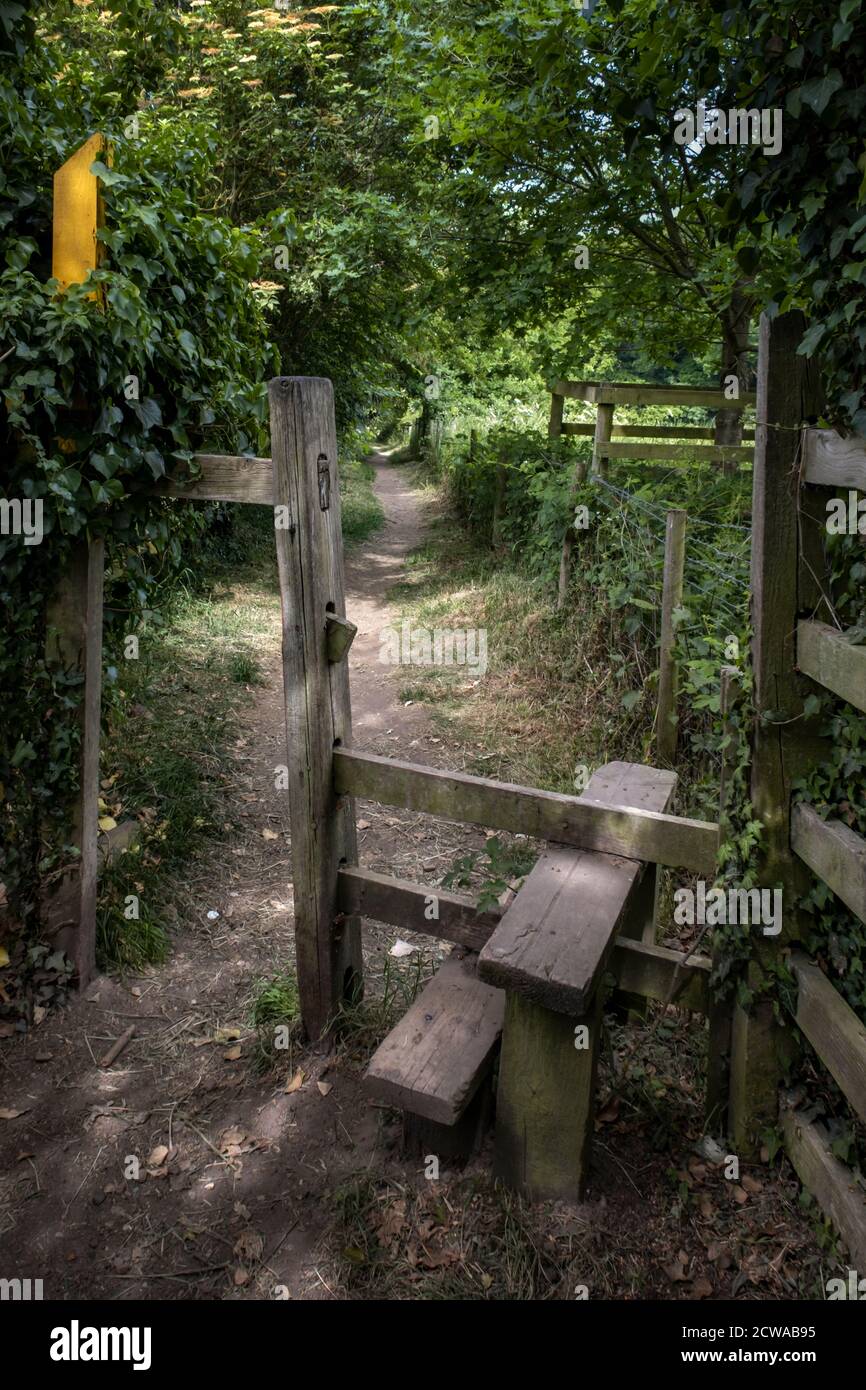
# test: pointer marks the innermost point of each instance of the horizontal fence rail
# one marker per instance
(635, 834)
(833, 1029)
(650, 431)
(829, 657)
(223, 478)
(831, 461)
(834, 852)
(711, 453)
(833, 1186)
(636, 393)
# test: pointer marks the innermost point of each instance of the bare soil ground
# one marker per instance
(262, 1177)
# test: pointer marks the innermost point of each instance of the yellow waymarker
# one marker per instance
(78, 215)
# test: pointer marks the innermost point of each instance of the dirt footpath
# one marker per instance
(231, 1165)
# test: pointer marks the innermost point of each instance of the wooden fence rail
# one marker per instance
(567, 820)
(830, 657)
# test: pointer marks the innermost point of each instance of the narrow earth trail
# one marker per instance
(231, 1166)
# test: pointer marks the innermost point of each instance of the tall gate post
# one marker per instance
(74, 643)
(318, 717)
(788, 394)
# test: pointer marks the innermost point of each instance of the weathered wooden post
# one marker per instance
(719, 1015)
(318, 716)
(603, 432)
(74, 611)
(789, 393)
(499, 502)
(554, 431)
(672, 597)
(74, 643)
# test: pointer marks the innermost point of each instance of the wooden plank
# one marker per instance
(650, 789)
(570, 820)
(224, 478)
(74, 643)
(316, 692)
(655, 972)
(833, 1186)
(834, 852)
(703, 453)
(433, 1062)
(408, 906)
(833, 1029)
(544, 1100)
(637, 393)
(650, 431)
(834, 461)
(553, 942)
(827, 656)
(667, 719)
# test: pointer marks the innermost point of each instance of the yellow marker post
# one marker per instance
(78, 215)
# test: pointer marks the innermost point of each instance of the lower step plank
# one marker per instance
(436, 1057)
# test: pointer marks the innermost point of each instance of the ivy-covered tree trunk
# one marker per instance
(735, 321)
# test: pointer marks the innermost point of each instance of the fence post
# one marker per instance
(603, 432)
(74, 643)
(788, 394)
(499, 501)
(719, 1020)
(73, 613)
(318, 716)
(554, 428)
(672, 597)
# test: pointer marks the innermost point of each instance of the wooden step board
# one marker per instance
(549, 952)
(554, 941)
(433, 1062)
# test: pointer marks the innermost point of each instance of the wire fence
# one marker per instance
(716, 578)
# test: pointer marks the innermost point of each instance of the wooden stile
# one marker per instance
(316, 692)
